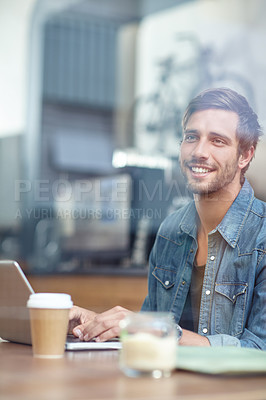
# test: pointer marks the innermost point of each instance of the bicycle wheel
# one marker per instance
(155, 124)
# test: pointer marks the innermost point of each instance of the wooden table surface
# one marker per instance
(96, 375)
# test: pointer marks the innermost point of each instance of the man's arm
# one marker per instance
(88, 325)
(193, 339)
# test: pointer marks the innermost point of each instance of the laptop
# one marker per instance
(15, 290)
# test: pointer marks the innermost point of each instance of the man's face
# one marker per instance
(209, 152)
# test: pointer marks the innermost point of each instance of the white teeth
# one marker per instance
(200, 170)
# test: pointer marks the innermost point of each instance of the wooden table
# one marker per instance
(96, 375)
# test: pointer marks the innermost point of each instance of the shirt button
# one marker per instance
(166, 283)
(212, 258)
(204, 330)
(208, 292)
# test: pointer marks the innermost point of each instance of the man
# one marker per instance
(208, 262)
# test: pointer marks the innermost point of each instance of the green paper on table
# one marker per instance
(221, 360)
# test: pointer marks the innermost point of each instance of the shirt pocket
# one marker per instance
(230, 303)
(166, 278)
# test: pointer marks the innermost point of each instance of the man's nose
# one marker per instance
(201, 149)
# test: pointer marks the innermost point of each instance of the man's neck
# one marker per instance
(212, 208)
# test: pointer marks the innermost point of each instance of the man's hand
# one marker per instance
(88, 325)
(77, 317)
(193, 339)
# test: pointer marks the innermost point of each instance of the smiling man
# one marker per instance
(209, 155)
(208, 262)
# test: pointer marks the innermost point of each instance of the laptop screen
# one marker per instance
(14, 293)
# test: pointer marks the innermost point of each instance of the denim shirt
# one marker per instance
(233, 300)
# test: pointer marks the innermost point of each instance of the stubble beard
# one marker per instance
(223, 178)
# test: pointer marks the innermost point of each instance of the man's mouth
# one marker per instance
(200, 170)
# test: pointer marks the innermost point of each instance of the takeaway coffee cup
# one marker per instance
(49, 316)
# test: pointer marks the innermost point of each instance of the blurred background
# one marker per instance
(92, 94)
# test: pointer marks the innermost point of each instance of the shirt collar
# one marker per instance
(231, 225)
(187, 223)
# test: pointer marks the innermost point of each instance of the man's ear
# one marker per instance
(246, 157)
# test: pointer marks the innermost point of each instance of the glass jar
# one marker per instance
(149, 344)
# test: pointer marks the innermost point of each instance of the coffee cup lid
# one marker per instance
(49, 300)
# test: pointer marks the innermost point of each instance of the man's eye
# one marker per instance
(218, 141)
(190, 138)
